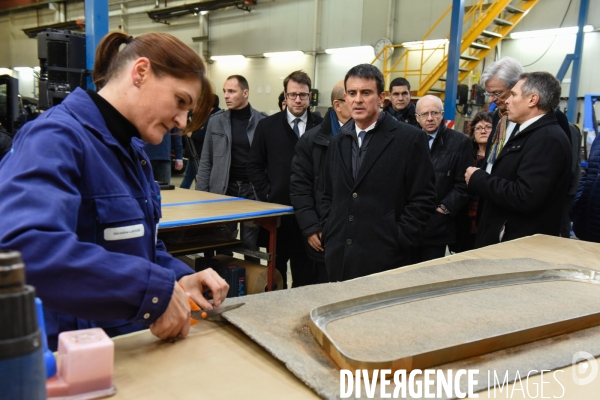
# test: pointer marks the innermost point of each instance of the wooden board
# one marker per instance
(179, 195)
(181, 207)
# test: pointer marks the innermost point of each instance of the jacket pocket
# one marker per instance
(118, 219)
(219, 143)
(392, 224)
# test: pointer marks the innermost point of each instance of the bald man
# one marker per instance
(307, 174)
(451, 154)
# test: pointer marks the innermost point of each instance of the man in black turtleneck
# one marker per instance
(224, 156)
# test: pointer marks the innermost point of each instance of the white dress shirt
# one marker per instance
(529, 122)
(301, 124)
(432, 135)
(358, 131)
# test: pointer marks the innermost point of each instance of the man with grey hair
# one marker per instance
(451, 154)
(498, 79)
(525, 192)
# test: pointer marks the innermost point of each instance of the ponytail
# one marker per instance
(106, 52)
(168, 56)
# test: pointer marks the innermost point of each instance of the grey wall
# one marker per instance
(311, 26)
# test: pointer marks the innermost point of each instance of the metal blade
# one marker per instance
(204, 314)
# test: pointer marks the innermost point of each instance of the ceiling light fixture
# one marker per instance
(353, 51)
(235, 57)
(286, 54)
(550, 32)
(426, 43)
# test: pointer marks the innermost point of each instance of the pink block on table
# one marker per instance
(85, 363)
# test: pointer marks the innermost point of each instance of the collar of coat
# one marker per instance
(441, 135)
(349, 127)
(547, 119)
(226, 113)
(382, 137)
(322, 133)
(81, 107)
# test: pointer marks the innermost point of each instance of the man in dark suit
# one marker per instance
(451, 154)
(269, 171)
(379, 185)
(526, 189)
(308, 168)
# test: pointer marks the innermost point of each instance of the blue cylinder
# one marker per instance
(22, 367)
(23, 377)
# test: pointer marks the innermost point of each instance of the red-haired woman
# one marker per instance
(79, 201)
(478, 131)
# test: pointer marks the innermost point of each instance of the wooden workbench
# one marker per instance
(226, 364)
(186, 209)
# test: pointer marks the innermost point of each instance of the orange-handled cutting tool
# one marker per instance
(199, 314)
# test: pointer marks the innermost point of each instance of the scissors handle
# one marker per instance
(193, 306)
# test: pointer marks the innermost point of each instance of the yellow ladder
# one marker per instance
(486, 25)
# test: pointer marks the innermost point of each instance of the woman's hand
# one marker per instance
(196, 284)
(175, 321)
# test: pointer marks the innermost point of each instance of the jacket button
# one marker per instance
(354, 195)
(143, 162)
(147, 315)
(155, 300)
(351, 218)
(348, 241)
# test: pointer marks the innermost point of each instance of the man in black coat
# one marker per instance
(379, 185)
(308, 168)
(400, 106)
(269, 171)
(451, 154)
(526, 189)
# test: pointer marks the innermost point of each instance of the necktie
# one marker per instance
(516, 130)
(430, 137)
(295, 128)
(361, 134)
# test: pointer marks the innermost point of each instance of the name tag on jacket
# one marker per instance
(124, 232)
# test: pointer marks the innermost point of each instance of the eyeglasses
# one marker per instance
(483, 128)
(495, 95)
(433, 114)
(292, 96)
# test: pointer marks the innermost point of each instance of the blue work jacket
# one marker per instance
(84, 213)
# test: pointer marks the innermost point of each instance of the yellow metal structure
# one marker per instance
(484, 26)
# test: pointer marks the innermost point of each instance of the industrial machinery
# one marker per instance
(62, 65)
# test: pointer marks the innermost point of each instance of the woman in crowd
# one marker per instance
(479, 130)
(79, 201)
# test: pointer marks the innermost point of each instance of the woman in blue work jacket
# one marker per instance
(78, 198)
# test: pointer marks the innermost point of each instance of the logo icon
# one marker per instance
(585, 368)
